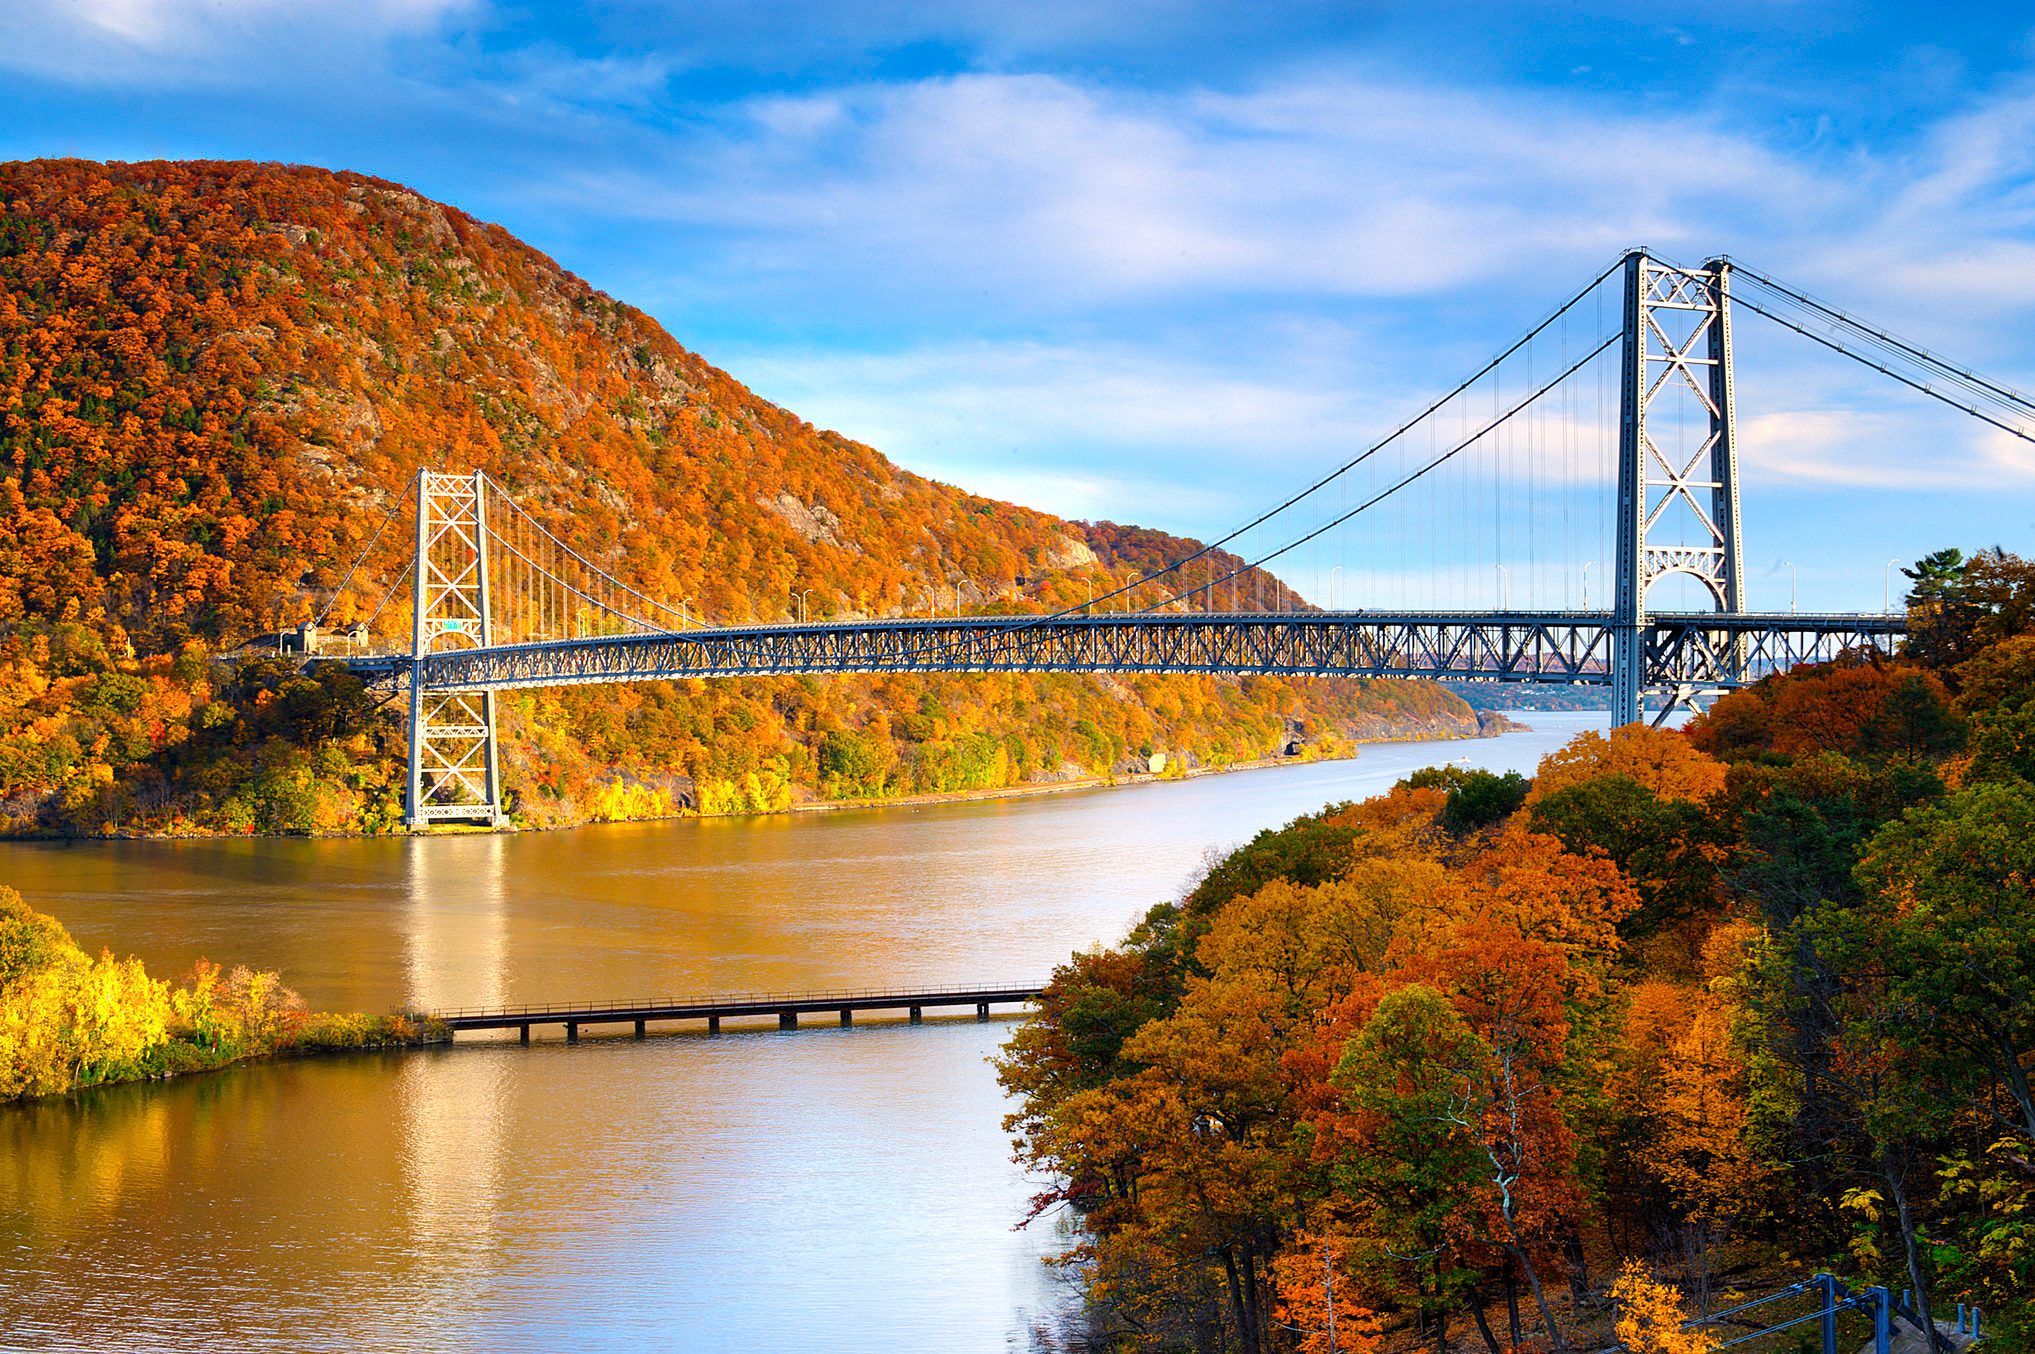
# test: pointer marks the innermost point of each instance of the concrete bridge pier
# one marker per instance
(916, 1017)
(572, 1031)
(713, 1025)
(523, 1035)
(640, 1028)
(982, 1010)
(787, 1020)
(847, 1017)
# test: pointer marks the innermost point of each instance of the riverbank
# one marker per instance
(1489, 724)
(1498, 724)
(322, 1035)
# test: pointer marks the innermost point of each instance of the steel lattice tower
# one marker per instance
(455, 772)
(1677, 475)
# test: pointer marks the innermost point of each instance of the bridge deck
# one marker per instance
(1702, 650)
(786, 1006)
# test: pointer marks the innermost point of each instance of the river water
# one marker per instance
(825, 1189)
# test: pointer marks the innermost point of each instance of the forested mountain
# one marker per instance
(216, 380)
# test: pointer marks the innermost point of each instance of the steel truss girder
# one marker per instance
(1680, 654)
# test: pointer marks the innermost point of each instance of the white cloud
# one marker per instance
(1042, 190)
(1881, 449)
(170, 43)
(1942, 234)
(1072, 428)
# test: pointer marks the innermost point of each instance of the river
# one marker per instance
(825, 1189)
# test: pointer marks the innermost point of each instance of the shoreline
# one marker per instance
(1082, 782)
(1099, 782)
(189, 1060)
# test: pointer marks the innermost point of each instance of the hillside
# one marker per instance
(1557, 1064)
(215, 380)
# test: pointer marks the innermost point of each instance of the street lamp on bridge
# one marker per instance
(1889, 607)
(802, 594)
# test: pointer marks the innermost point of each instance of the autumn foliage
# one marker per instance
(68, 1020)
(1543, 1067)
(217, 380)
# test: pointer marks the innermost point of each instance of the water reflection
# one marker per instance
(456, 921)
(825, 1189)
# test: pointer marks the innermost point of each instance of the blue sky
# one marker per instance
(1154, 261)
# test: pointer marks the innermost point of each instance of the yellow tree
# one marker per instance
(1650, 1316)
(1663, 760)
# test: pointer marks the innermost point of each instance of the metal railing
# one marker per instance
(893, 996)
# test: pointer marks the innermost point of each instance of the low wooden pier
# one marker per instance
(786, 1006)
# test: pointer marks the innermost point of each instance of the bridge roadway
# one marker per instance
(787, 1007)
(1698, 650)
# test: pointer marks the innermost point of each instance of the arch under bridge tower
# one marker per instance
(1677, 509)
(455, 770)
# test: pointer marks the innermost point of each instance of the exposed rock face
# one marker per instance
(1069, 553)
(813, 521)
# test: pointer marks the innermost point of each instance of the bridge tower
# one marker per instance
(455, 771)
(1677, 457)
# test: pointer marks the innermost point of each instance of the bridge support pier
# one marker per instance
(787, 1020)
(847, 1017)
(982, 1010)
(572, 1031)
(916, 1015)
(523, 1035)
(641, 1028)
(714, 1026)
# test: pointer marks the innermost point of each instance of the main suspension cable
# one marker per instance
(1368, 452)
(2003, 393)
(366, 550)
(1884, 370)
(1432, 465)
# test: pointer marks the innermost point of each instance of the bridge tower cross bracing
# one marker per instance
(1677, 484)
(455, 769)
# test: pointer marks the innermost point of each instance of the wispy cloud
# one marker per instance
(1041, 190)
(233, 43)
(1073, 428)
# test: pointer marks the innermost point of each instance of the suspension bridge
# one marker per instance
(1605, 435)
